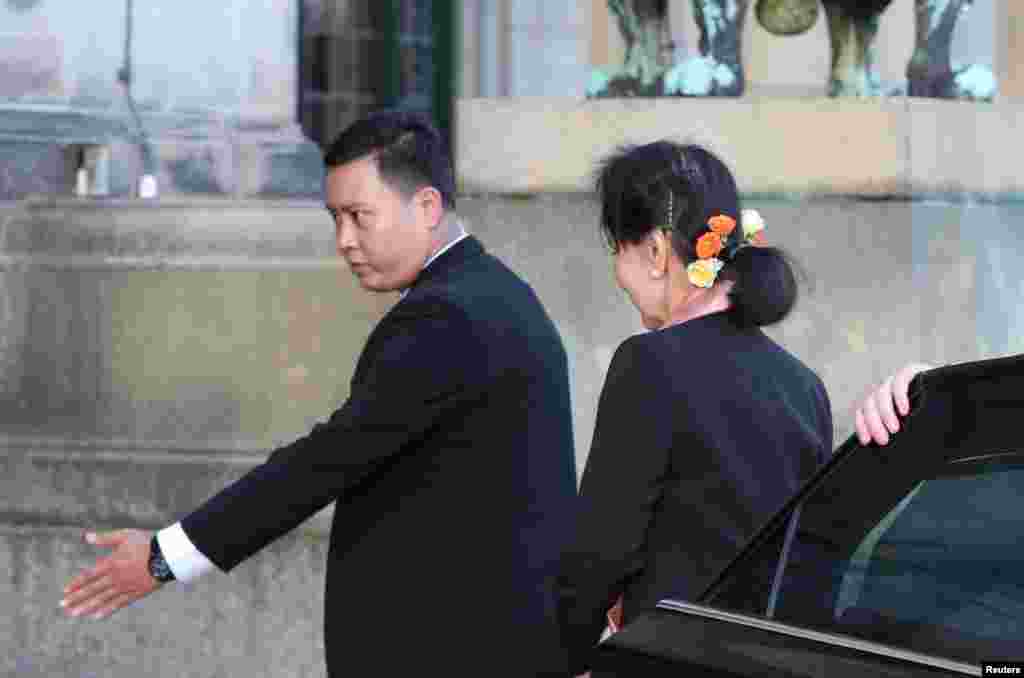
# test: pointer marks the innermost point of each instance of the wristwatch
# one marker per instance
(158, 567)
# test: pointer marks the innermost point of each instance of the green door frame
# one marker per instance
(445, 37)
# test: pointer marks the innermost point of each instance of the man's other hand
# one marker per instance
(115, 581)
(876, 415)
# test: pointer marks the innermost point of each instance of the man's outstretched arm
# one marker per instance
(426, 361)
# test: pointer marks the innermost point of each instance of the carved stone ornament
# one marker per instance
(648, 69)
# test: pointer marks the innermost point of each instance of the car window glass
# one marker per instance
(941, 572)
(928, 556)
(853, 579)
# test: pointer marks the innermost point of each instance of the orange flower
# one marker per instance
(709, 245)
(722, 224)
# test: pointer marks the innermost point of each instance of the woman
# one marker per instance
(705, 425)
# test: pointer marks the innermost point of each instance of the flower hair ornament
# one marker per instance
(703, 271)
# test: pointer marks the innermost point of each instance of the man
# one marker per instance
(451, 463)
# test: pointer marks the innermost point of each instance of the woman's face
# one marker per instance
(640, 271)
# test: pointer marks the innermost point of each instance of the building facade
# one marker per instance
(235, 102)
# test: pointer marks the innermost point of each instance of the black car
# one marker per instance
(903, 560)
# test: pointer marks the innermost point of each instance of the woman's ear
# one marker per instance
(658, 249)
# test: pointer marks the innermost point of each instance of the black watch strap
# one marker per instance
(158, 567)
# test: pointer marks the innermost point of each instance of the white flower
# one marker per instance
(752, 223)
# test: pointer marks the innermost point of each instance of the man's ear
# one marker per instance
(429, 205)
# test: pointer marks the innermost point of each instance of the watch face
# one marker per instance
(158, 567)
(160, 571)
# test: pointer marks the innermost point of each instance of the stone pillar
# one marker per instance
(601, 35)
(524, 48)
(469, 44)
(547, 53)
(492, 33)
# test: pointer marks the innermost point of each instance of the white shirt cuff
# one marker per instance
(184, 559)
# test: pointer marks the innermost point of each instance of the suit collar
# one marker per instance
(465, 250)
(462, 236)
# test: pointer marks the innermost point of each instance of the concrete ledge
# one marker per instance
(167, 228)
(54, 484)
(885, 147)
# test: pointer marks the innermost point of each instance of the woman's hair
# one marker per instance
(680, 187)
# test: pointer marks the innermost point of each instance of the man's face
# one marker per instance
(384, 238)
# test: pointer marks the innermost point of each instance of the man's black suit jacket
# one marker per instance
(453, 470)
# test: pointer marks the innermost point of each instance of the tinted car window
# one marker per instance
(932, 561)
(944, 570)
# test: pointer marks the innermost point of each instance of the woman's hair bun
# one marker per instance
(765, 286)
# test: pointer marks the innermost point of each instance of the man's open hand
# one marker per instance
(115, 581)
